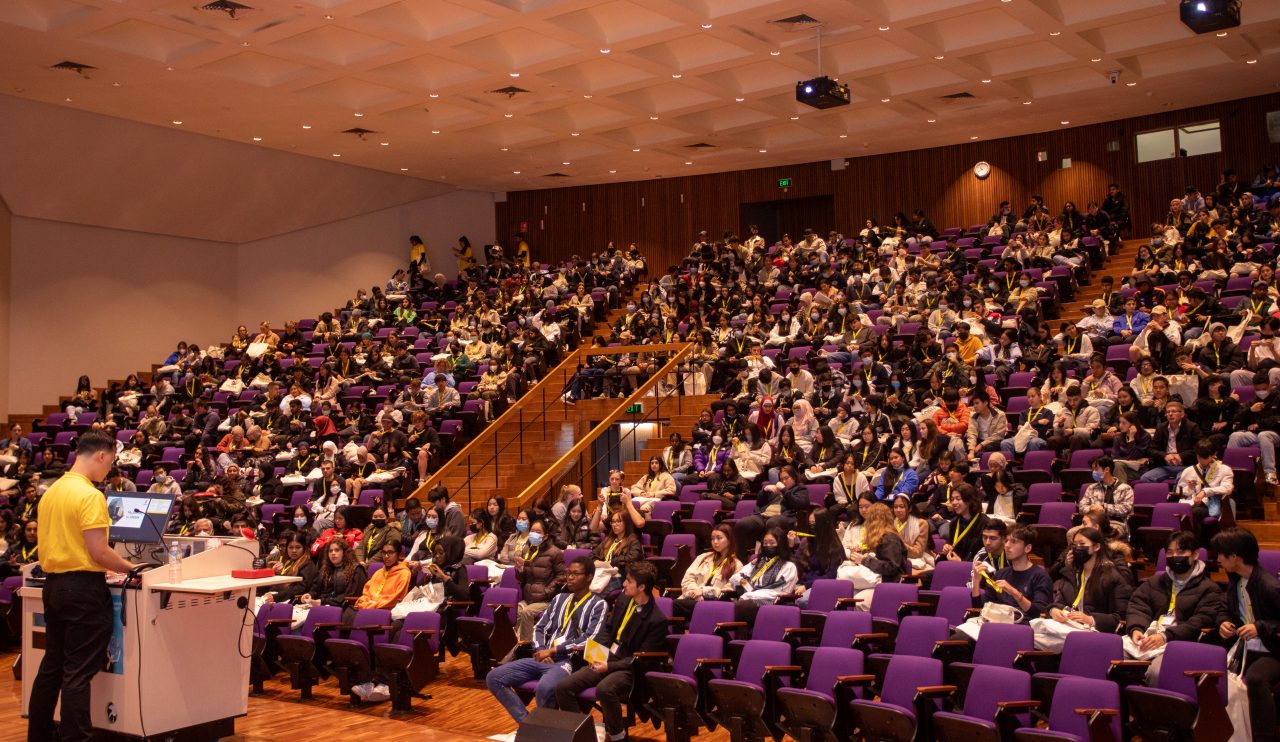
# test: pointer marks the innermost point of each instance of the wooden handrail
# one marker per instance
(682, 351)
(560, 375)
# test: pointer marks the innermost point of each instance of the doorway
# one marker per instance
(789, 216)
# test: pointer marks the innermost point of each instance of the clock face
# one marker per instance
(982, 170)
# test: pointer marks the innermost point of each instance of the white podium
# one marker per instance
(179, 658)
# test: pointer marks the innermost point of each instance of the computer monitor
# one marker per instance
(138, 517)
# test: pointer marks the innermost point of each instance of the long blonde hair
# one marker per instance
(878, 524)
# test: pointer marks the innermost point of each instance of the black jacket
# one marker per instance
(795, 500)
(1188, 437)
(646, 631)
(1106, 596)
(1264, 593)
(1199, 605)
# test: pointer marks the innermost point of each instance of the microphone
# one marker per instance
(148, 521)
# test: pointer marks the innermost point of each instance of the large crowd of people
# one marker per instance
(885, 399)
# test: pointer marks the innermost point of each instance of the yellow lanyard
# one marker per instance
(711, 458)
(763, 568)
(626, 617)
(568, 615)
(958, 536)
(28, 553)
(900, 526)
(848, 486)
(608, 555)
(714, 569)
(1072, 349)
(1246, 603)
(1173, 596)
(1080, 595)
(1128, 321)
(1257, 307)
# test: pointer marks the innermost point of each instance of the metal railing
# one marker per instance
(577, 466)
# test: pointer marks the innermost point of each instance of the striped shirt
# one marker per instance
(584, 623)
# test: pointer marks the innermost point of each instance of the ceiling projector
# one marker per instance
(822, 92)
(1207, 16)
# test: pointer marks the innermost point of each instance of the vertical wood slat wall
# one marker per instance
(664, 215)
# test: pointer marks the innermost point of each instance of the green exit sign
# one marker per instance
(636, 409)
(784, 182)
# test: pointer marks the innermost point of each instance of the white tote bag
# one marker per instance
(1051, 635)
(1238, 697)
(861, 577)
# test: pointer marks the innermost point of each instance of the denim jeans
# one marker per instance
(503, 678)
(1161, 473)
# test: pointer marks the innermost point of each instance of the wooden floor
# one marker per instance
(461, 709)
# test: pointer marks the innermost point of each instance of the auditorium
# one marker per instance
(593, 370)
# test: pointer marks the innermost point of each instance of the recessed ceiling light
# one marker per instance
(306, 126)
(763, 151)
(257, 139)
(168, 69)
(774, 53)
(1250, 61)
(933, 121)
(68, 100)
(245, 43)
(575, 134)
(404, 169)
(653, 118)
(515, 172)
(844, 136)
(939, 56)
(884, 100)
(605, 51)
(433, 95)
(676, 76)
(1055, 33)
(565, 163)
(515, 74)
(1064, 122)
(972, 139)
(612, 171)
(508, 115)
(114, 85)
(1026, 102)
(359, 115)
(706, 25)
(504, 149)
(335, 154)
(987, 80)
(435, 131)
(175, 122)
(884, 28)
(385, 144)
(1220, 34)
(1096, 59)
(637, 149)
(328, 18)
(739, 99)
(588, 96)
(1131, 84)
(795, 118)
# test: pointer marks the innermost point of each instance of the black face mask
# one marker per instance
(1080, 555)
(1179, 565)
(768, 551)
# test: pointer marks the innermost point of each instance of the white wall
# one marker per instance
(106, 302)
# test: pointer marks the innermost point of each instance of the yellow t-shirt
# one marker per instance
(968, 349)
(68, 509)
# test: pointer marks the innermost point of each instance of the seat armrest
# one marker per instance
(715, 661)
(279, 621)
(415, 632)
(652, 655)
(731, 625)
(507, 606)
(935, 691)
(675, 590)
(329, 625)
(856, 680)
(1009, 706)
(783, 669)
(798, 630)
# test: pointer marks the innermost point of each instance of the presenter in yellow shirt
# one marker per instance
(75, 556)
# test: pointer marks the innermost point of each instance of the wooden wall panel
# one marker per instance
(664, 215)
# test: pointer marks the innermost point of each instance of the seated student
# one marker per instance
(727, 486)
(295, 562)
(992, 555)
(1253, 617)
(849, 484)
(778, 507)
(897, 478)
(1259, 424)
(1115, 497)
(636, 625)
(618, 547)
(657, 484)
(914, 531)
(881, 550)
(767, 576)
(385, 587)
(1197, 601)
(1205, 486)
(707, 578)
(563, 629)
(963, 533)
(1023, 585)
(341, 577)
(540, 571)
(453, 522)
(1091, 591)
(480, 543)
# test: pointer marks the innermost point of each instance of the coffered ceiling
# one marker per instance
(620, 89)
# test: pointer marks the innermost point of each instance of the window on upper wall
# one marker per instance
(1180, 141)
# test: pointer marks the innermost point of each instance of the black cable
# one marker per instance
(137, 628)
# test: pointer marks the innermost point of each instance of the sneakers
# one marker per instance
(363, 690)
(1271, 479)
(379, 694)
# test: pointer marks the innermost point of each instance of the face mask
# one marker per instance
(992, 285)
(716, 440)
(1179, 565)
(843, 311)
(896, 384)
(1024, 284)
(522, 525)
(535, 539)
(432, 523)
(300, 522)
(815, 316)
(1262, 393)
(737, 333)
(951, 356)
(968, 302)
(631, 307)
(768, 551)
(1080, 555)
(379, 522)
(786, 318)
(1097, 476)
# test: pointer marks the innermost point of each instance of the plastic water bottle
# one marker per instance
(175, 564)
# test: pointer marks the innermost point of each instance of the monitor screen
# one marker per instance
(138, 518)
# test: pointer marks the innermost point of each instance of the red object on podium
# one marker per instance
(252, 574)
